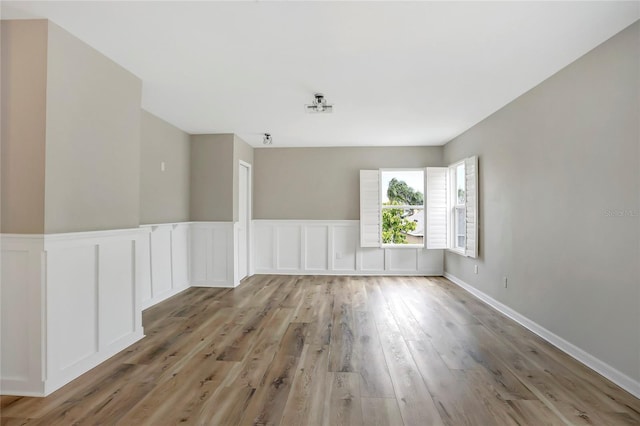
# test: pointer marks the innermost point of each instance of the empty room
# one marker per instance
(320, 213)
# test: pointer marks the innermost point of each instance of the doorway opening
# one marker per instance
(244, 220)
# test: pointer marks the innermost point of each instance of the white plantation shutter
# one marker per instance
(437, 210)
(369, 208)
(471, 183)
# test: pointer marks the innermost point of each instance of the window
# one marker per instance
(398, 210)
(402, 207)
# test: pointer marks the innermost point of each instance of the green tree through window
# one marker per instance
(402, 193)
(395, 226)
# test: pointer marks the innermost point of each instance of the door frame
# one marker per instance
(249, 225)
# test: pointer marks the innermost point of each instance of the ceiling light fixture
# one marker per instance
(267, 139)
(319, 105)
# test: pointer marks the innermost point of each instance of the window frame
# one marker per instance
(454, 206)
(438, 208)
(381, 207)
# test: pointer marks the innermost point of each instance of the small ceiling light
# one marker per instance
(319, 105)
(267, 139)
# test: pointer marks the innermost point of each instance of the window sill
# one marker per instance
(402, 246)
(457, 251)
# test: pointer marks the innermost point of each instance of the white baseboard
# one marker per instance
(352, 273)
(625, 382)
(162, 297)
(54, 384)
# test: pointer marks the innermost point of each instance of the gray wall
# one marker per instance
(23, 93)
(323, 183)
(241, 151)
(212, 177)
(93, 139)
(164, 195)
(555, 164)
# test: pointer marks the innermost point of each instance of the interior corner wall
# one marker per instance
(23, 92)
(242, 151)
(560, 203)
(92, 175)
(164, 194)
(211, 183)
(323, 183)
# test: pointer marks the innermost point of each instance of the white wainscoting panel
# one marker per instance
(345, 241)
(91, 281)
(264, 247)
(21, 287)
(166, 262)
(69, 302)
(288, 248)
(371, 259)
(180, 256)
(72, 306)
(160, 243)
(212, 259)
(117, 305)
(145, 294)
(332, 247)
(316, 248)
(401, 260)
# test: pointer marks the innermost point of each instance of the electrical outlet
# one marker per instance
(162, 166)
(504, 281)
(475, 269)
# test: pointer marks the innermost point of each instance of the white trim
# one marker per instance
(436, 212)
(162, 297)
(39, 288)
(456, 251)
(213, 262)
(625, 382)
(402, 246)
(249, 230)
(349, 273)
(90, 362)
(472, 207)
(177, 255)
(382, 207)
(29, 318)
(339, 245)
(78, 238)
(370, 214)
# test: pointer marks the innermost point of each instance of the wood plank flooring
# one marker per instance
(321, 350)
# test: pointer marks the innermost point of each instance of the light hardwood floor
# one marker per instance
(300, 350)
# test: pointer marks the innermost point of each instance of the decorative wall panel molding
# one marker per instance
(69, 302)
(165, 258)
(212, 254)
(21, 286)
(332, 247)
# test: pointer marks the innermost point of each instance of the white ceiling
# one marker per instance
(414, 73)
